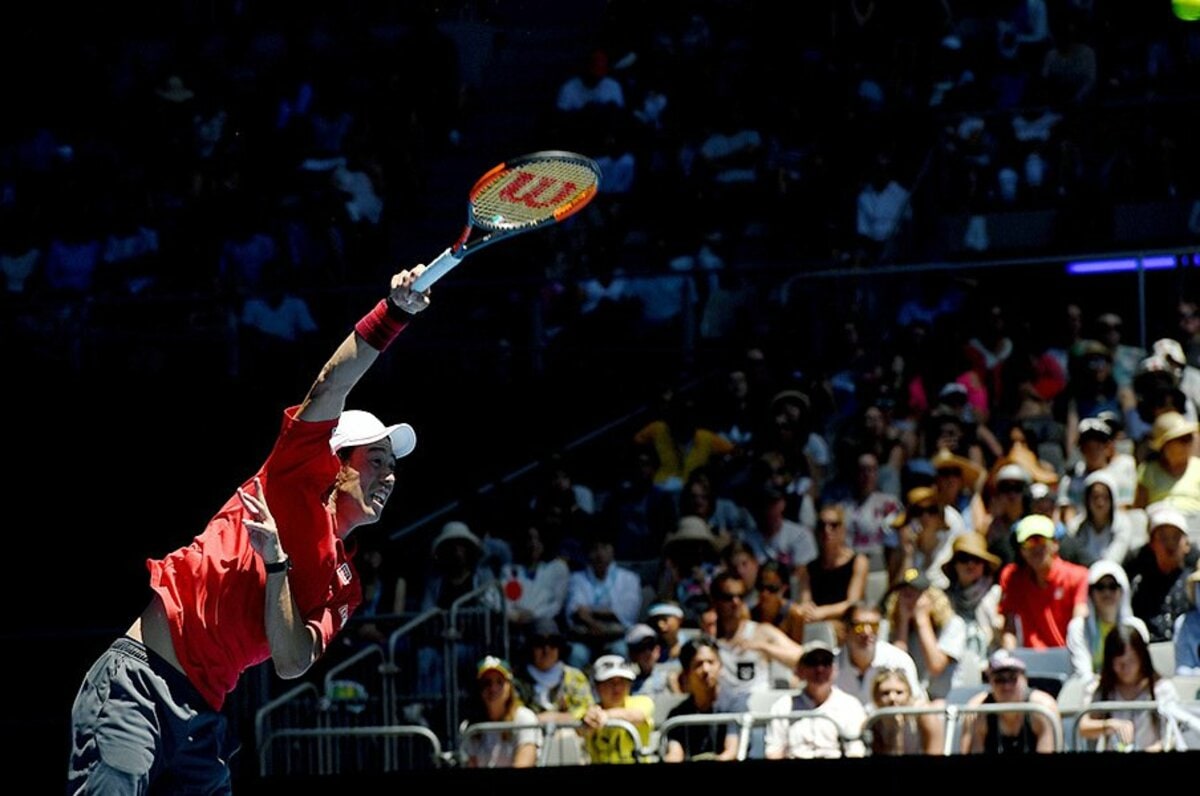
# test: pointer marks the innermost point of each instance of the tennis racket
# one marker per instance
(519, 195)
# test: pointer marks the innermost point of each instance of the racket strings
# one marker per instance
(532, 193)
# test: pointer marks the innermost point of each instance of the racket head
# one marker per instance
(533, 190)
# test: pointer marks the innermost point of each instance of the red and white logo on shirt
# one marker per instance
(344, 573)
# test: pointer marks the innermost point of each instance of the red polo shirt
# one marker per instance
(214, 589)
(1044, 610)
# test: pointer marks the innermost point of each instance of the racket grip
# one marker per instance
(440, 266)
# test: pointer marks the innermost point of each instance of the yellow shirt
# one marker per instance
(1183, 493)
(613, 744)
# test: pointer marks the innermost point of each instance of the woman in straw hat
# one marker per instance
(974, 591)
(1172, 473)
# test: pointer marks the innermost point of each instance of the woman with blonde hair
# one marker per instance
(923, 623)
(497, 701)
(919, 734)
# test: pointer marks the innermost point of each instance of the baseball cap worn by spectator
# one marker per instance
(491, 663)
(1169, 426)
(1034, 525)
(641, 635)
(1002, 660)
(815, 650)
(1164, 514)
(913, 578)
(1094, 428)
(356, 427)
(607, 667)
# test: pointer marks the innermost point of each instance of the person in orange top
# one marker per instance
(1040, 592)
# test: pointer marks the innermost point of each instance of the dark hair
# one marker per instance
(772, 565)
(1118, 640)
(688, 651)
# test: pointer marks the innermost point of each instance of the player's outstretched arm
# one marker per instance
(372, 334)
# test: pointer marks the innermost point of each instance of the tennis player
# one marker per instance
(269, 577)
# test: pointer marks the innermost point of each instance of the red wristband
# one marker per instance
(379, 327)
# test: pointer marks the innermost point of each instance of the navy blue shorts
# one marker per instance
(139, 726)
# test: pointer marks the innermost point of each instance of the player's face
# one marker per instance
(366, 483)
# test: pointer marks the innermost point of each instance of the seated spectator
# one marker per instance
(957, 481)
(1158, 572)
(1007, 492)
(974, 592)
(810, 737)
(497, 701)
(681, 443)
(739, 557)
(701, 678)
(921, 538)
(1041, 593)
(1108, 608)
(1127, 675)
(458, 569)
(612, 678)
(837, 577)
(535, 583)
(864, 654)
(1103, 531)
(1097, 453)
(690, 557)
(773, 606)
(775, 536)
(1187, 633)
(699, 499)
(603, 602)
(1009, 733)
(557, 693)
(868, 509)
(923, 624)
(902, 735)
(747, 648)
(1172, 473)
(666, 616)
(653, 678)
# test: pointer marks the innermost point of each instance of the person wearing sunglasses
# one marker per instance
(864, 654)
(747, 648)
(1041, 593)
(1108, 607)
(1008, 733)
(921, 538)
(974, 592)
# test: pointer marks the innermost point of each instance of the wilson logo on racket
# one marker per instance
(515, 197)
(512, 192)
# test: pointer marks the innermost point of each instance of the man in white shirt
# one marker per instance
(808, 738)
(864, 654)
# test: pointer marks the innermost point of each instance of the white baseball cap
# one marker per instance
(356, 427)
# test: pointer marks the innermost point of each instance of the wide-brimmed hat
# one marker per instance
(971, 544)
(692, 529)
(174, 90)
(456, 530)
(917, 496)
(945, 458)
(1169, 426)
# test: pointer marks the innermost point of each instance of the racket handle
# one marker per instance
(436, 270)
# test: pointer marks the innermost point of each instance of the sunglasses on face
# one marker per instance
(924, 511)
(862, 628)
(949, 472)
(774, 588)
(1034, 542)
(1010, 488)
(1106, 585)
(1007, 676)
(815, 660)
